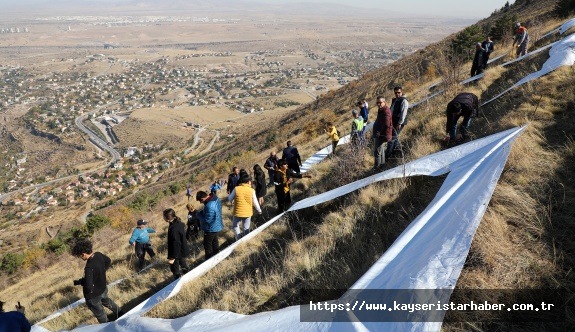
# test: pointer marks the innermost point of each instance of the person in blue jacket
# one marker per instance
(210, 221)
(14, 321)
(140, 240)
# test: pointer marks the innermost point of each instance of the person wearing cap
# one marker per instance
(477, 65)
(283, 178)
(291, 155)
(521, 39)
(357, 125)
(140, 240)
(464, 105)
(245, 200)
(14, 320)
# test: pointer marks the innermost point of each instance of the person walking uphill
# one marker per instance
(382, 133)
(291, 156)
(399, 108)
(140, 240)
(282, 181)
(521, 38)
(178, 248)
(94, 283)
(260, 182)
(464, 105)
(245, 199)
(210, 222)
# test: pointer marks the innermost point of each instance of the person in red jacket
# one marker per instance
(382, 132)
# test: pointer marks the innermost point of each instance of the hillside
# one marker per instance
(523, 242)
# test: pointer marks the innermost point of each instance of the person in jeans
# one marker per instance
(464, 105)
(244, 198)
(399, 107)
(94, 281)
(210, 221)
(140, 240)
(178, 248)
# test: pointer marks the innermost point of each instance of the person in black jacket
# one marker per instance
(488, 48)
(282, 180)
(260, 181)
(178, 248)
(94, 280)
(291, 156)
(478, 62)
(233, 180)
(464, 105)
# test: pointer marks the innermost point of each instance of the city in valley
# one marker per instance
(94, 106)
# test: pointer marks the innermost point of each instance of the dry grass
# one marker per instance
(524, 240)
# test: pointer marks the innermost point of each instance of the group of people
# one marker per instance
(483, 50)
(388, 124)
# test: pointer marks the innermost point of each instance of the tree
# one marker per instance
(11, 262)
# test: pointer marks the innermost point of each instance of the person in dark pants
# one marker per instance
(399, 107)
(291, 156)
(193, 229)
(477, 66)
(382, 133)
(14, 320)
(282, 181)
(260, 182)
(210, 222)
(464, 105)
(178, 248)
(488, 48)
(233, 180)
(94, 280)
(140, 240)
(271, 164)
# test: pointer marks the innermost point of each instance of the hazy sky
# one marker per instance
(427, 8)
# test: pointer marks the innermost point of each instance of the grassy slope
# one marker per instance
(523, 241)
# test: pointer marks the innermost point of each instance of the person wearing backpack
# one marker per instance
(211, 222)
(521, 38)
(333, 135)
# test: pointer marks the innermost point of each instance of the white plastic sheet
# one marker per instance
(429, 254)
(562, 53)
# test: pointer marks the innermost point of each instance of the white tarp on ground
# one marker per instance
(562, 53)
(429, 254)
(567, 25)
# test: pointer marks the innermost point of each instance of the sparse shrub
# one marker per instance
(95, 223)
(32, 256)
(56, 245)
(11, 262)
(121, 218)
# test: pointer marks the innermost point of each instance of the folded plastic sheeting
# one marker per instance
(429, 254)
(562, 53)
